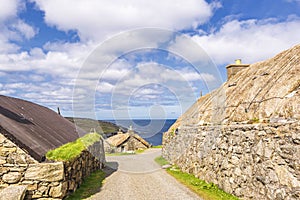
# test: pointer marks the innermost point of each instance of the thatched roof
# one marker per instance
(119, 139)
(34, 128)
(265, 90)
(141, 140)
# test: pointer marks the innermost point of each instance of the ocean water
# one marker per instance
(150, 130)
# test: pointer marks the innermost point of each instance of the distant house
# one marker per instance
(123, 142)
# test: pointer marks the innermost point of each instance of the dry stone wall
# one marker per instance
(46, 180)
(258, 161)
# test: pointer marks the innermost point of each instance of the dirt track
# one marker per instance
(138, 177)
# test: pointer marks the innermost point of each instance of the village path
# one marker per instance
(138, 177)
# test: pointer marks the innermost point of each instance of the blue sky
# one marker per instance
(46, 45)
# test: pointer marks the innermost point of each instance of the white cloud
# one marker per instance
(116, 71)
(188, 49)
(36, 78)
(24, 29)
(64, 62)
(51, 94)
(17, 30)
(8, 9)
(105, 87)
(7, 92)
(250, 40)
(149, 91)
(97, 19)
(12, 28)
(152, 73)
(195, 76)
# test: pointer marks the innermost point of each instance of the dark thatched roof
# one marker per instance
(34, 128)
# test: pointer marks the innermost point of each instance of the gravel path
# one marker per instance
(138, 177)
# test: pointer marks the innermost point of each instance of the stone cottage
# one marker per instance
(124, 142)
(27, 132)
(245, 135)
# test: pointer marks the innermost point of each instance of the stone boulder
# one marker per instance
(12, 177)
(45, 172)
(59, 191)
(13, 192)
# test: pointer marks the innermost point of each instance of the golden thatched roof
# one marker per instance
(119, 139)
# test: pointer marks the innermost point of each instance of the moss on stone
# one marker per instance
(71, 150)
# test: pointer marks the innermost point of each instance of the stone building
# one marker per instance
(245, 135)
(27, 132)
(124, 142)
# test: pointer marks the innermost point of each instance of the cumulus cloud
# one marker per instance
(51, 70)
(251, 40)
(7, 92)
(12, 28)
(94, 21)
(24, 29)
(105, 87)
(8, 9)
(98, 19)
(153, 82)
(47, 93)
(191, 76)
(63, 62)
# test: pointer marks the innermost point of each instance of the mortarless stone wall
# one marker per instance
(257, 161)
(50, 179)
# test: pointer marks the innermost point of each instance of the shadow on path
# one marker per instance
(110, 168)
(93, 183)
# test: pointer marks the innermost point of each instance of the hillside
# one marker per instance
(99, 125)
(266, 91)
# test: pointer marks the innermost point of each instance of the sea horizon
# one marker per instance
(152, 133)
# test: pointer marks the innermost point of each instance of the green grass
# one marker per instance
(161, 161)
(71, 150)
(157, 147)
(90, 186)
(125, 153)
(119, 154)
(139, 151)
(207, 191)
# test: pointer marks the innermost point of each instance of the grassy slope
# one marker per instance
(91, 185)
(72, 149)
(207, 191)
(99, 125)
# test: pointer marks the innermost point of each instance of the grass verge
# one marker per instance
(71, 150)
(139, 151)
(157, 147)
(207, 191)
(161, 161)
(91, 185)
(119, 154)
(126, 153)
